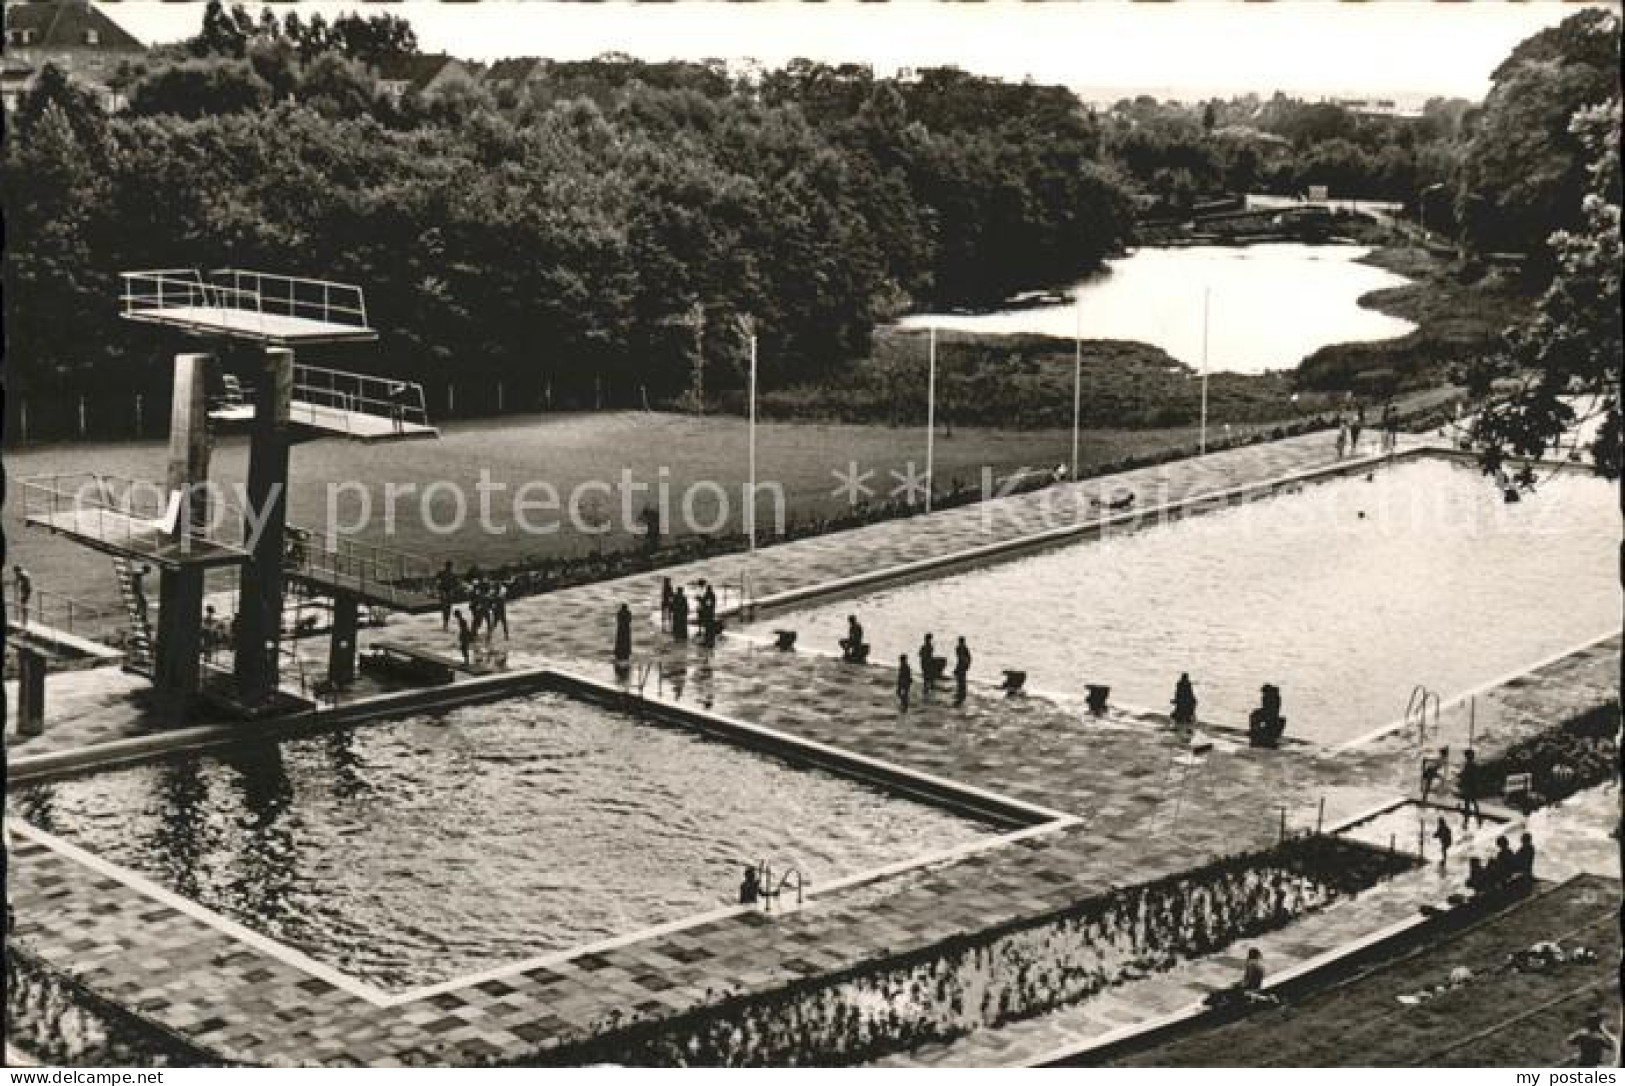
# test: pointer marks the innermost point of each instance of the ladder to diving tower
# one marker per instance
(138, 645)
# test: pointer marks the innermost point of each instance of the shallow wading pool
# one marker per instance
(1346, 594)
(411, 852)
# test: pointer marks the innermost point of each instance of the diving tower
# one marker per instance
(256, 320)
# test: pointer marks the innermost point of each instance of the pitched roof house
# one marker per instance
(419, 73)
(74, 35)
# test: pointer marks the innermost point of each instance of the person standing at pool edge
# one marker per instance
(25, 590)
(445, 586)
(905, 681)
(465, 636)
(961, 670)
(623, 634)
(1442, 834)
(853, 641)
(1468, 785)
(679, 615)
(1184, 701)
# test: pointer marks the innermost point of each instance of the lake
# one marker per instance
(1269, 306)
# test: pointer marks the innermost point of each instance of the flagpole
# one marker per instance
(1077, 385)
(1206, 291)
(930, 420)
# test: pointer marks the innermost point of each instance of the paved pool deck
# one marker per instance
(246, 1001)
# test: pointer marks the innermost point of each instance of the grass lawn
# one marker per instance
(564, 450)
(1498, 1018)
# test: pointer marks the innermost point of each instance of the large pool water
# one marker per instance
(1346, 595)
(412, 852)
(1268, 306)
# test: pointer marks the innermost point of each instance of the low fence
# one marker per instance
(52, 1017)
(1002, 974)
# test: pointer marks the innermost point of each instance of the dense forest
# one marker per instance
(591, 233)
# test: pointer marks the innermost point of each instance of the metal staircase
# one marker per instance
(138, 646)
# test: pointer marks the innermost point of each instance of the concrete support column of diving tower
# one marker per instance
(31, 668)
(259, 608)
(178, 644)
(341, 648)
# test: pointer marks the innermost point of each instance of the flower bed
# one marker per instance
(1577, 754)
(53, 1018)
(1002, 974)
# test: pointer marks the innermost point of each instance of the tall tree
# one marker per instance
(1569, 354)
(1525, 169)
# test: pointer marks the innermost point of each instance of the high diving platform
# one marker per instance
(283, 311)
(274, 310)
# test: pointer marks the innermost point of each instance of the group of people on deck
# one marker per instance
(487, 604)
(1506, 869)
(676, 607)
(1350, 429)
(933, 668)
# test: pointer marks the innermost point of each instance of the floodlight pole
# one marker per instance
(1077, 385)
(930, 419)
(1202, 447)
(748, 326)
(750, 503)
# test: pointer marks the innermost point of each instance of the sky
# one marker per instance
(1190, 48)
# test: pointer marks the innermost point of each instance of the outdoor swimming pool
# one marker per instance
(1345, 595)
(411, 852)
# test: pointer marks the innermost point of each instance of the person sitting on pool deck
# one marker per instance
(852, 644)
(1252, 974)
(750, 887)
(1503, 866)
(1523, 861)
(1265, 724)
(1478, 876)
(1594, 1045)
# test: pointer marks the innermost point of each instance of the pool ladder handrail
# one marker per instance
(1416, 711)
(764, 871)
